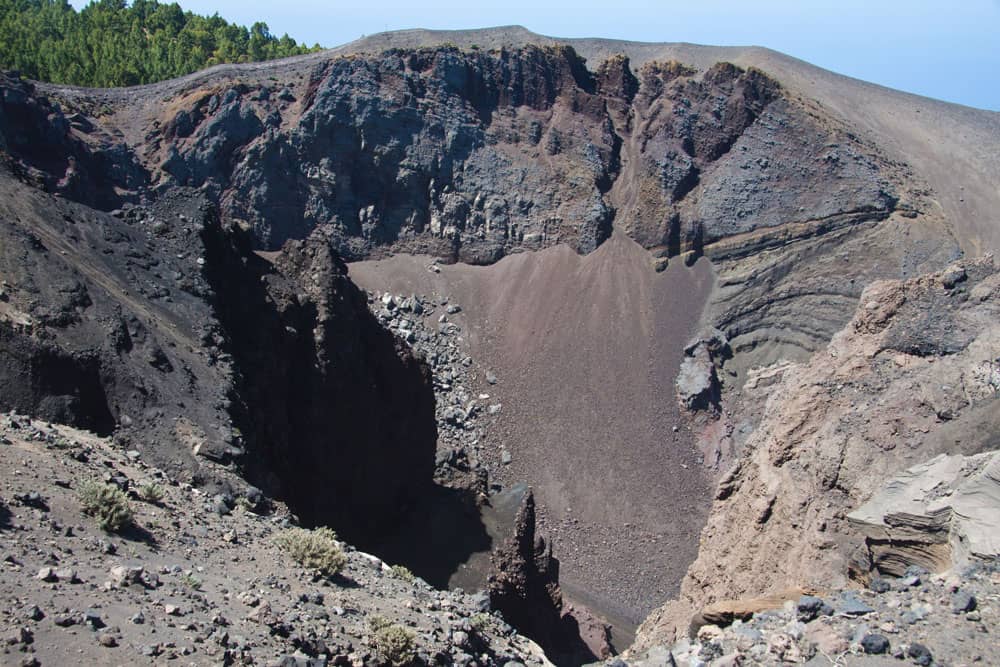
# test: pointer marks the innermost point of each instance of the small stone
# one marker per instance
(795, 630)
(708, 633)
(879, 585)
(920, 654)
(962, 602)
(220, 506)
(505, 457)
(808, 608)
(875, 644)
(491, 377)
(93, 619)
(67, 574)
(30, 661)
(47, 574)
(171, 610)
(122, 576)
(22, 636)
(66, 620)
(952, 276)
(108, 640)
(33, 613)
(850, 605)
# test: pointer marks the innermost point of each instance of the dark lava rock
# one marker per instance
(962, 602)
(850, 604)
(920, 654)
(879, 585)
(33, 613)
(875, 644)
(809, 608)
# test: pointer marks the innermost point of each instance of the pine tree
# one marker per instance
(110, 43)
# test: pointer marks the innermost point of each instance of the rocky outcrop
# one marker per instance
(342, 416)
(938, 515)
(698, 383)
(919, 619)
(163, 326)
(912, 376)
(68, 154)
(524, 587)
(412, 149)
(473, 154)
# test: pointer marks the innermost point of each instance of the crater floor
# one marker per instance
(585, 351)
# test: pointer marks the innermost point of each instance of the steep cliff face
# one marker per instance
(473, 154)
(466, 155)
(913, 375)
(524, 587)
(339, 415)
(68, 154)
(163, 327)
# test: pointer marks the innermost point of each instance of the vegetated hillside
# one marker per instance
(112, 43)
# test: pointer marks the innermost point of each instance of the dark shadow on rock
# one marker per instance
(136, 533)
(343, 581)
(437, 536)
(337, 413)
(524, 587)
(5, 516)
(53, 384)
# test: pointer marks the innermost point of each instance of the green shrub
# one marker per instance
(151, 492)
(402, 572)
(393, 643)
(314, 549)
(107, 503)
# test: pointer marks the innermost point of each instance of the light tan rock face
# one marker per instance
(936, 514)
(913, 375)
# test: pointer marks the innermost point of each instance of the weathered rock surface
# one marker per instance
(165, 328)
(342, 417)
(910, 621)
(940, 514)
(474, 154)
(189, 585)
(912, 376)
(524, 587)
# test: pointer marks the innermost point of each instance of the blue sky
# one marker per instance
(948, 49)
